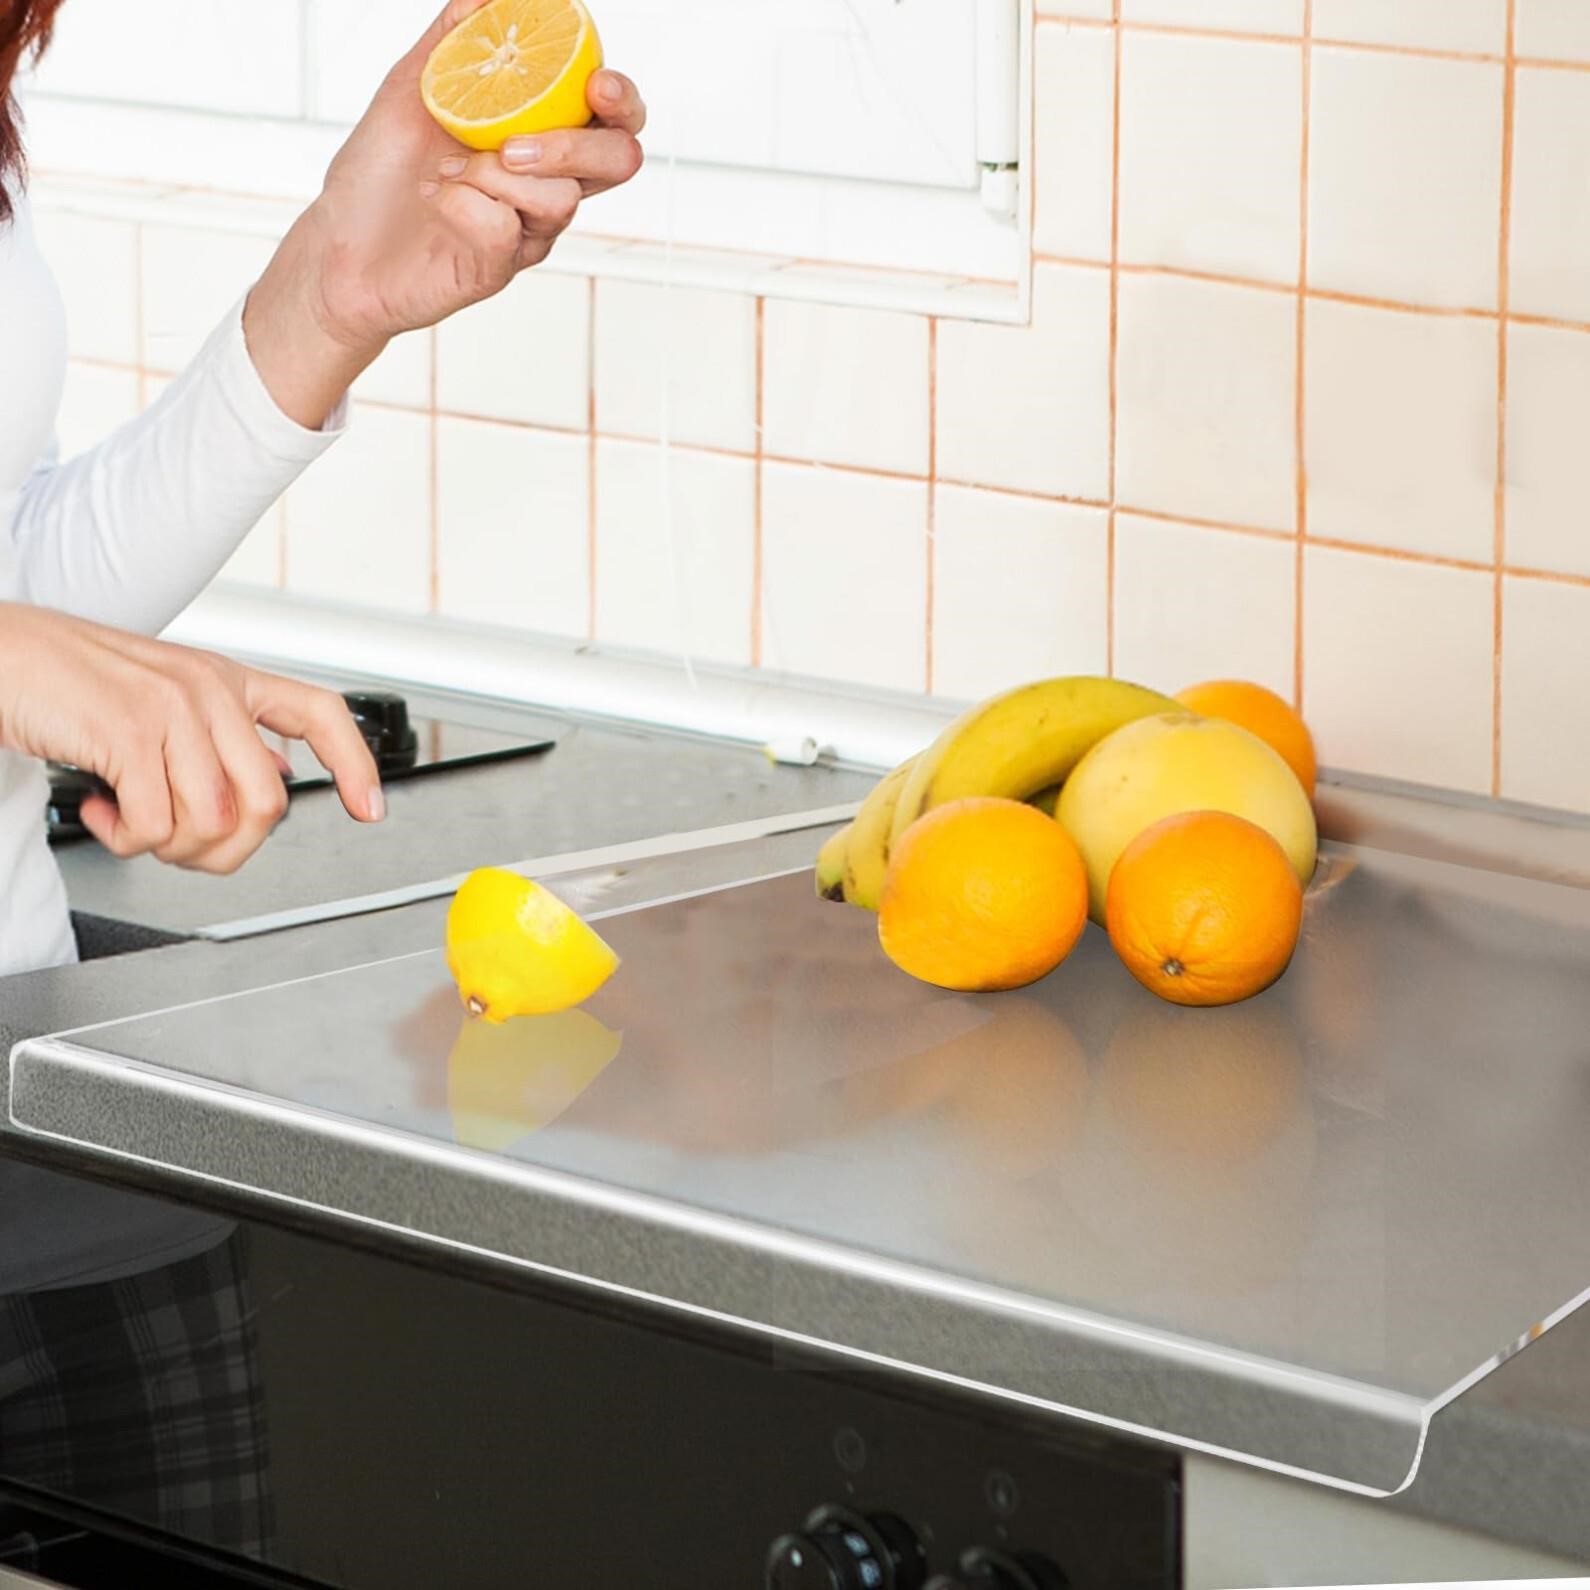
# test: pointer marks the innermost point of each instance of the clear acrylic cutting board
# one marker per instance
(1288, 1231)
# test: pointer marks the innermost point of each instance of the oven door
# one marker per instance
(192, 1398)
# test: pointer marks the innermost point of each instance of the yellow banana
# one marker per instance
(1019, 743)
(867, 858)
(831, 864)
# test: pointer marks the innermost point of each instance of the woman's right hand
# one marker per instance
(173, 732)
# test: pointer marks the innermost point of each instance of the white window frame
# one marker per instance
(912, 245)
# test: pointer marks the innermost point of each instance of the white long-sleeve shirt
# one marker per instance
(127, 534)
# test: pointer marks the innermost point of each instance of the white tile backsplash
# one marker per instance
(845, 386)
(523, 355)
(191, 279)
(1029, 408)
(1243, 16)
(96, 265)
(1554, 30)
(1021, 590)
(1466, 25)
(1405, 159)
(1397, 667)
(679, 361)
(358, 521)
(1401, 427)
(402, 374)
(1063, 482)
(1194, 604)
(1550, 271)
(1545, 730)
(827, 531)
(675, 551)
(513, 527)
(1074, 118)
(1211, 154)
(1548, 464)
(1207, 401)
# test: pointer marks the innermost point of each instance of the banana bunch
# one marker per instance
(1021, 745)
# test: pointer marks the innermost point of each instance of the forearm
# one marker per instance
(306, 362)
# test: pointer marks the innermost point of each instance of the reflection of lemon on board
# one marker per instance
(513, 67)
(515, 949)
(1211, 1087)
(504, 1082)
(1022, 1100)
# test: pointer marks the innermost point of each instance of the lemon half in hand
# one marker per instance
(513, 67)
(516, 950)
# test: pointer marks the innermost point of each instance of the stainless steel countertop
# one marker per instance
(1505, 1456)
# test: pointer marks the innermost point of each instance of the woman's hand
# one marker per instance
(172, 731)
(412, 227)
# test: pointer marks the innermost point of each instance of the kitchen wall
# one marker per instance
(1305, 398)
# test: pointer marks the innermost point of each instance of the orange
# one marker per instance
(513, 67)
(1260, 712)
(981, 894)
(1204, 908)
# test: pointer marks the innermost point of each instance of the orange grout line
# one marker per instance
(933, 492)
(1503, 298)
(757, 557)
(1434, 560)
(1422, 52)
(1157, 516)
(1300, 431)
(590, 465)
(1115, 343)
(435, 443)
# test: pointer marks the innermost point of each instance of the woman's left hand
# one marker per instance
(412, 227)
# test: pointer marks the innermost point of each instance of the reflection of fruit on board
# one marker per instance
(1021, 1104)
(509, 1080)
(1195, 1165)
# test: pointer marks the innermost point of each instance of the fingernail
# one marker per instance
(376, 805)
(429, 190)
(609, 88)
(522, 151)
(454, 166)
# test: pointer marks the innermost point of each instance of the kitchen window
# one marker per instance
(884, 134)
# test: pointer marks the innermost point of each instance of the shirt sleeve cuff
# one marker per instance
(228, 361)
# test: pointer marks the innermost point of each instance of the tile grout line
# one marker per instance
(1300, 432)
(758, 475)
(1503, 301)
(435, 444)
(1115, 343)
(1422, 52)
(590, 460)
(932, 495)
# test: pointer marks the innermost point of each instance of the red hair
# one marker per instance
(24, 31)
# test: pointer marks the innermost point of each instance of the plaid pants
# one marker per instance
(142, 1397)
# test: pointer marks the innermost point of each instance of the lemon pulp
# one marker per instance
(514, 67)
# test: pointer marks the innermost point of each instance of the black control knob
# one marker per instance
(844, 1550)
(383, 719)
(983, 1568)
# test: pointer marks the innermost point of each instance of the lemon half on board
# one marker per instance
(514, 949)
(514, 67)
